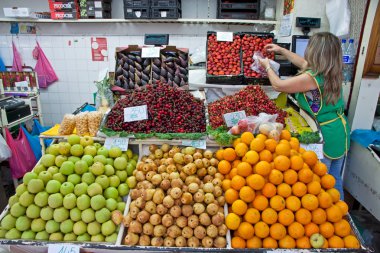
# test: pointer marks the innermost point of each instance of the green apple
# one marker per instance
(64, 148)
(21, 189)
(120, 163)
(125, 156)
(94, 228)
(23, 223)
(73, 159)
(135, 157)
(121, 206)
(133, 162)
(97, 238)
(61, 214)
(131, 182)
(111, 238)
(55, 200)
(66, 188)
(67, 168)
(88, 215)
(94, 189)
(101, 159)
(36, 185)
(77, 150)
(317, 241)
(111, 204)
(47, 213)
(102, 215)
(86, 141)
(26, 199)
(84, 237)
(88, 159)
(57, 236)
(13, 234)
(90, 150)
(74, 179)
(97, 145)
(53, 170)
(80, 189)
(122, 174)
(60, 159)
(33, 211)
(108, 228)
(73, 139)
(129, 153)
(98, 202)
(75, 214)
(79, 228)
(109, 170)
(43, 236)
(28, 235)
(70, 237)
(59, 177)
(114, 181)
(130, 169)
(102, 151)
(39, 168)
(123, 189)
(38, 225)
(70, 201)
(29, 176)
(81, 167)
(53, 186)
(97, 169)
(8, 222)
(67, 226)
(45, 176)
(103, 181)
(88, 178)
(114, 152)
(48, 160)
(83, 202)
(13, 200)
(53, 149)
(52, 226)
(111, 193)
(41, 199)
(109, 161)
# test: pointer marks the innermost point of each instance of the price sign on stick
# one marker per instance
(233, 118)
(135, 113)
(201, 144)
(63, 248)
(150, 52)
(119, 142)
(224, 36)
(317, 148)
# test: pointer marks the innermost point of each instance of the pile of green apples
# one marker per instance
(75, 193)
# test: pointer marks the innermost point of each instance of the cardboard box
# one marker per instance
(63, 6)
(64, 15)
(15, 12)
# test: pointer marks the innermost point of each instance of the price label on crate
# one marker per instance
(233, 118)
(224, 36)
(22, 84)
(120, 142)
(317, 148)
(201, 144)
(135, 113)
(150, 52)
(63, 248)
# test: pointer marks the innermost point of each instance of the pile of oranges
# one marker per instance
(279, 195)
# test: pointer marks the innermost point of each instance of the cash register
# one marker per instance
(13, 109)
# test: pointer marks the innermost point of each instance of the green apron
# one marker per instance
(331, 118)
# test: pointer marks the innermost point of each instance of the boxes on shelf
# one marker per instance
(95, 8)
(137, 3)
(238, 9)
(166, 13)
(64, 15)
(136, 13)
(64, 9)
(16, 12)
(166, 3)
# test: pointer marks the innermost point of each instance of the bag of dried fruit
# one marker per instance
(67, 125)
(94, 119)
(81, 123)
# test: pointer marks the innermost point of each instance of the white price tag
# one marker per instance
(135, 113)
(98, 4)
(224, 36)
(63, 248)
(317, 148)
(22, 84)
(119, 142)
(233, 118)
(150, 52)
(201, 144)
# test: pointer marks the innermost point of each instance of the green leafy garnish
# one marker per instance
(309, 137)
(221, 135)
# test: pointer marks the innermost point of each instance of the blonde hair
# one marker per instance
(324, 57)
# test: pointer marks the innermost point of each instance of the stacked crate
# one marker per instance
(156, 9)
(136, 9)
(238, 9)
(64, 9)
(95, 9)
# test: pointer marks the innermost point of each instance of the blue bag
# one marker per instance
(38, 129)
(2, 65)
(365, 137)
(34, 142)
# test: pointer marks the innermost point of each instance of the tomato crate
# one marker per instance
(137, 3)
(136, 13)
(238, 5)
(166, 13)
(165, 3)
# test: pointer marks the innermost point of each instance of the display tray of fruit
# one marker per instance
(281, 196)
(75, 193)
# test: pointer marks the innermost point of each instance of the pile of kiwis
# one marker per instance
(178, 200)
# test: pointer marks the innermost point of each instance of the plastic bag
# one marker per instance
(94, 119)
(2, 65)
(339, 15)
(67, 125)
(17, 62)
(22, 159)
(256, 66)
(5, 151)
(46, 73)
(34, 142)
(38, 129)
(81, 123)
(198, 56)
(104, 97)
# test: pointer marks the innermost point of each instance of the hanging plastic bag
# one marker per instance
(339, 15)
(2, 65)
(17, 62)
(22, 159)
(256, 66)
(38, 129)
(45, 72)
(5, 151)
(34, 142)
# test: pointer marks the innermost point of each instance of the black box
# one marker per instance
(98, 5)
(166, 3)
(166, 13)
(137, 3)
(239, 9)
(239, 5)
(136, 13)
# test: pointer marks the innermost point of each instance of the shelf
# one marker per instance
(152, 21)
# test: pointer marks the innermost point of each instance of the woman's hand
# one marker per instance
(273, 48)
(264, 62)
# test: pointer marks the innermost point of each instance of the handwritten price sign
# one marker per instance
(119, 142)
(135, 113)
(233, 118)
(150, 52)
(201, 144)
(224, 36)
(63, 248)
(317, 148)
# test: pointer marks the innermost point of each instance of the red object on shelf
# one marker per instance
(64, 9)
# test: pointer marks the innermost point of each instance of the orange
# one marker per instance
(260, 202)
(314, 188)
(247, 194)
(235, 163)
(334, 214)
(284, 190)
(351, 241)
(232, 221)
(229, 154)
(342, 228)
(277, 231)
(296, 162)
(327, 181)
(261, 229)
(276, 177)
(282, 163)
(287, 242)
(266, 155)
(254, 243)
(311, 229)
(343, 206)
(244, 169)
(303, 216)
(303, 243)
(269, 190)
(293, 203)
(326, 229)
(325, 244)
(252, 215)
(334, 193)
(310, 158)
(237, 182)
(224, 167)
(247, 137)
(286, 217)
(231, 195)
(309, 202)
(296, 230)
(299, 189)
(270, 243)
(269, 216)
(325, 200)
(270, 145)
(241, 149)
(238, 243)
(301, 150)
(305, 175)
(319, 216)
(290, 177)
(233, 172)
(336, 242)
(251, 157)
(283, 149)
(219, 154)
(239, 207)
(285, 135)
(277, 203)
(257, 144)
(293, 153)
(263, 168)
(316, 178)
(320, 169)
(246, 230)
(256, 181)
(261, 136)
(226, 184)
(236, 142)
(294, 143)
